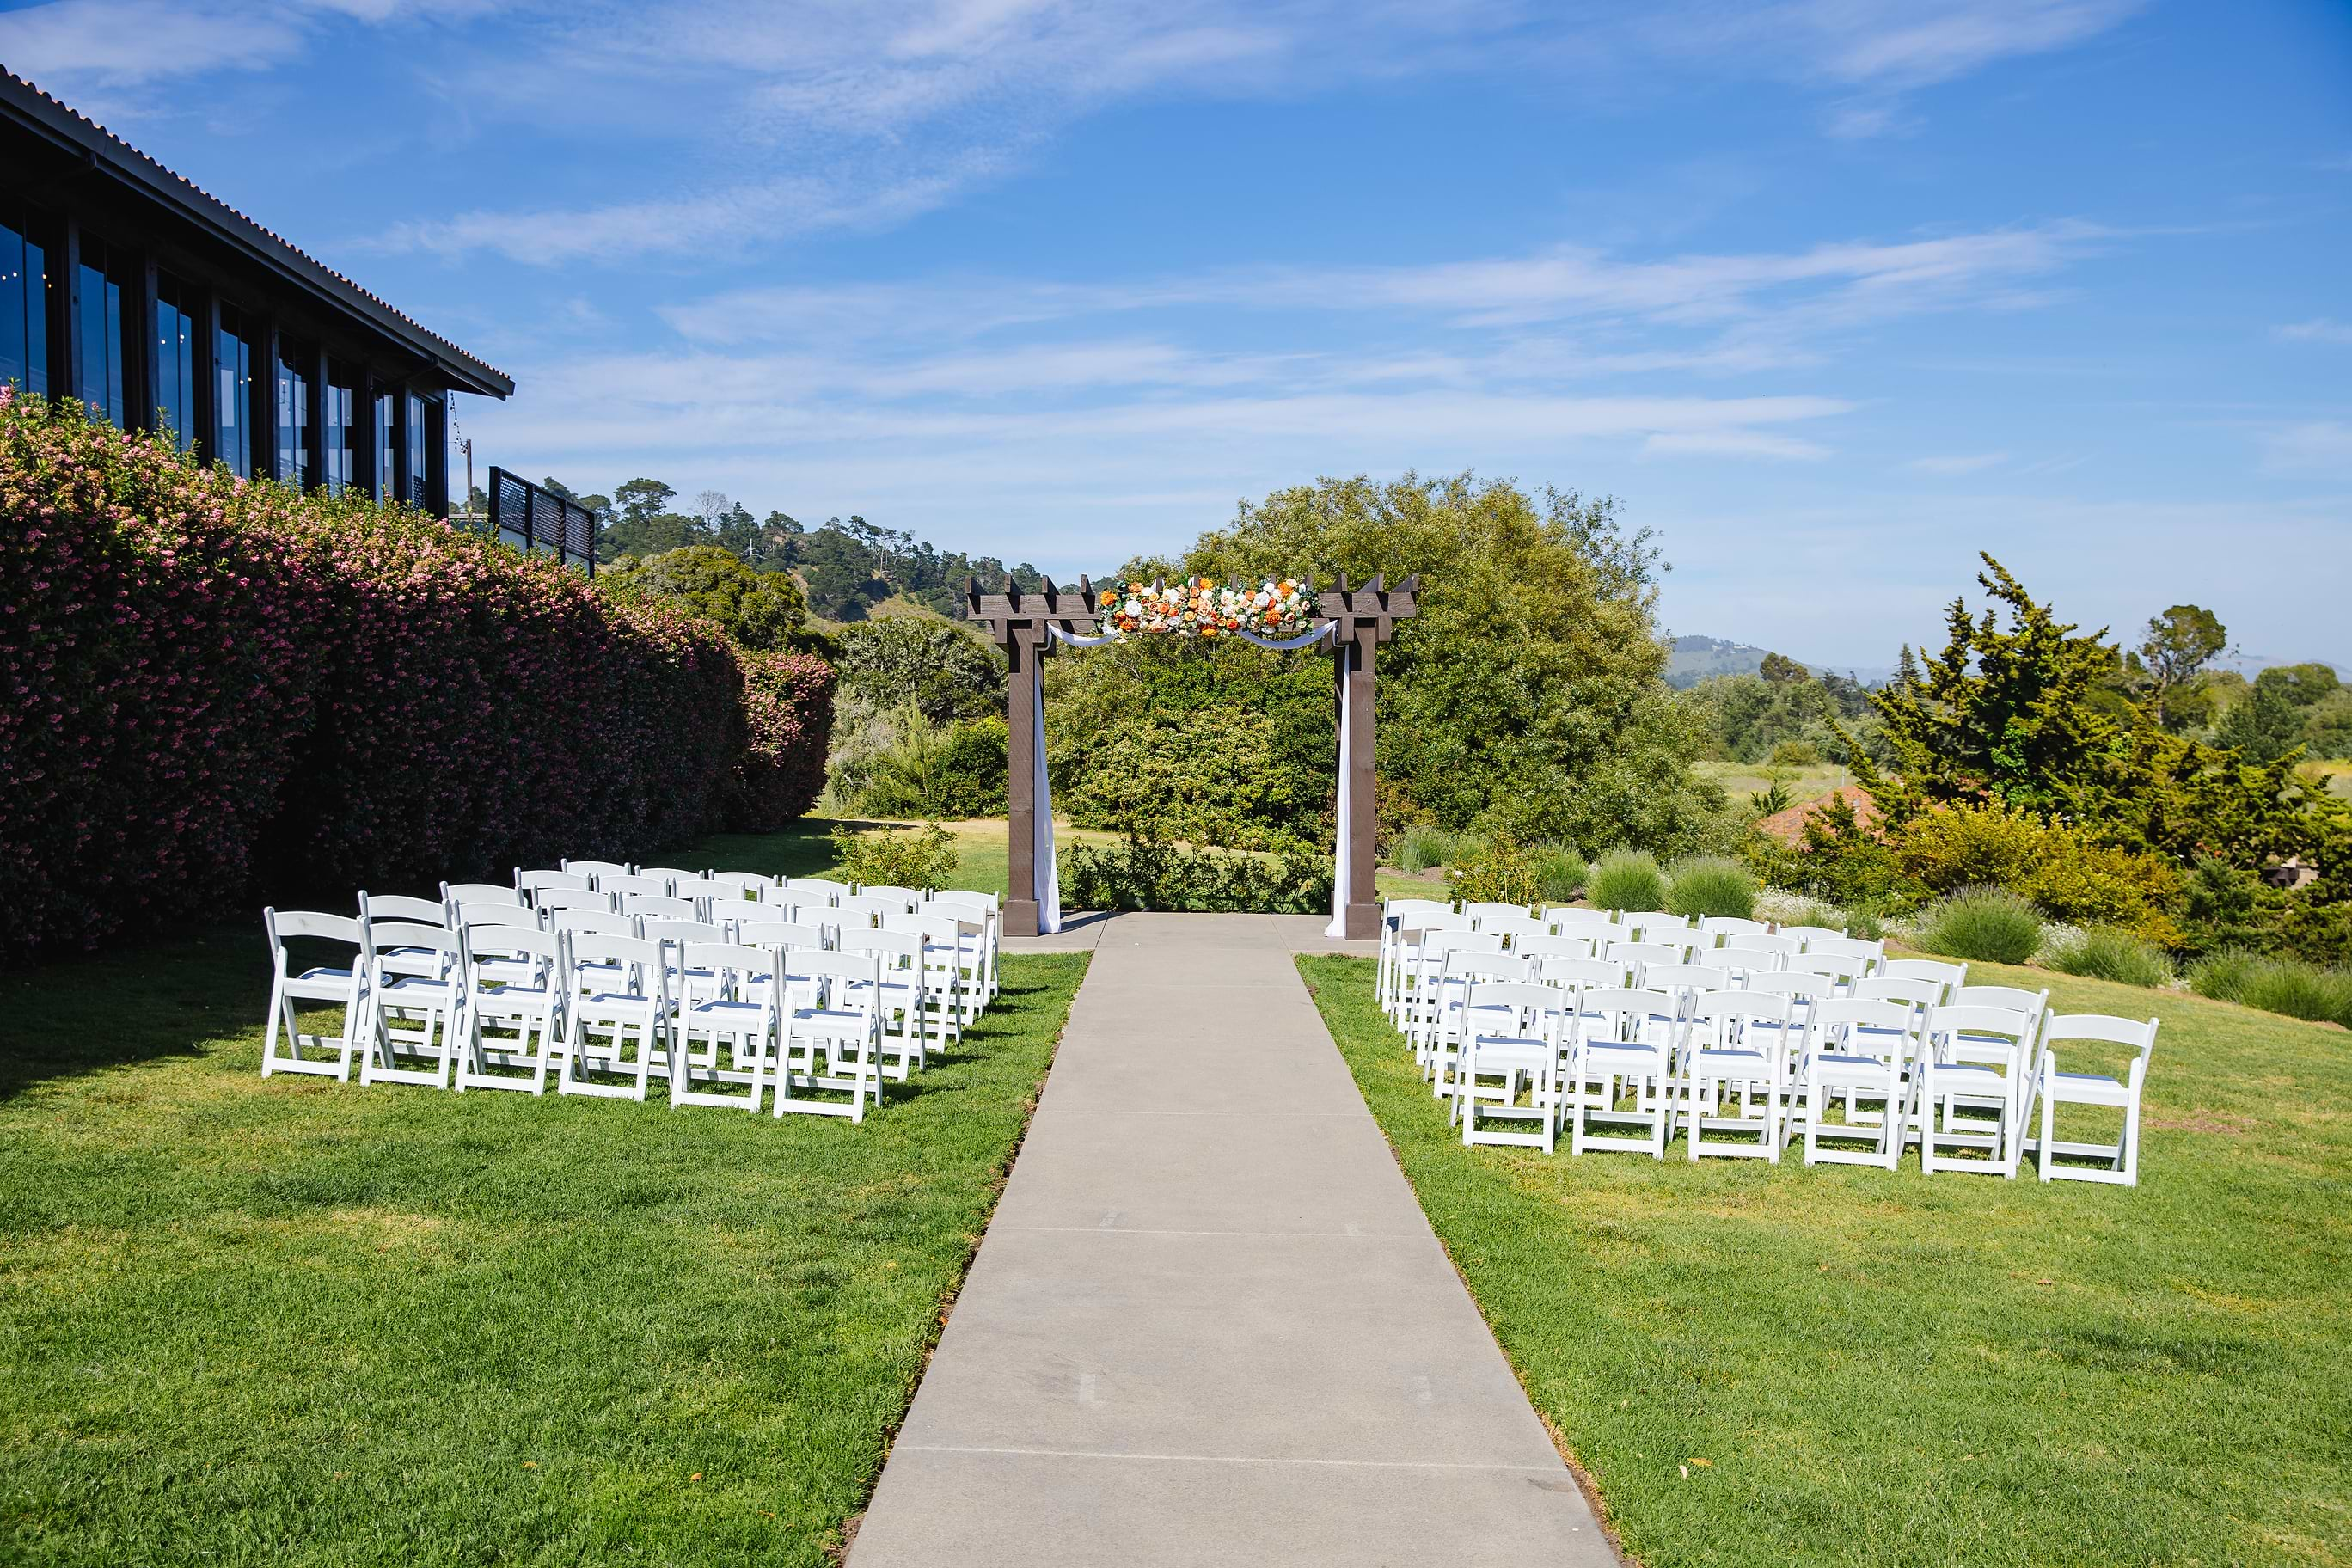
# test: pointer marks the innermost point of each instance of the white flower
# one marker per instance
(1132, 607)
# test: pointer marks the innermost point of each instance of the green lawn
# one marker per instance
(296, 1321)
(1848, 1366)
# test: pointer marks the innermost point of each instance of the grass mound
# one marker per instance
(2287, 985)
(2105, 952)
(1710, 885)
(1626, 879)
(1982, 925)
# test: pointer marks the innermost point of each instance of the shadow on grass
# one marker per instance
(177, 996)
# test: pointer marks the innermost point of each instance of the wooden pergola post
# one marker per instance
(1366, 618)
(1016, 621)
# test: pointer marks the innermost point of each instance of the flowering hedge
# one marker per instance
(788, 728)
(212, 683)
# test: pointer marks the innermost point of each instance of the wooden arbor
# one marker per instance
(1024, 623)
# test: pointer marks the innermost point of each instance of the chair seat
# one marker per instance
(321, 977)
(1838, 1062)
(720, 1005)
(418, 986)
(1730, 1060)
(617, 1003)
(1623, 1050)
(2085, 1088)
(1967, 1070)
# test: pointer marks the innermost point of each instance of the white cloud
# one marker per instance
(1953, 467)
(2318, 330)
(2323, 446)
(69, 45)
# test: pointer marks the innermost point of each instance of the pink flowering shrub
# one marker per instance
(213, 684)
(788, 729)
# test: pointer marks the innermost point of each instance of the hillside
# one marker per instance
(1694, 658)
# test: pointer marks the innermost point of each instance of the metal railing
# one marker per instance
(537, 521)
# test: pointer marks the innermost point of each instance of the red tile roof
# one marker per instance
(97, 139)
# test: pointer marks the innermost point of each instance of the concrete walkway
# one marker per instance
(1209, 1323)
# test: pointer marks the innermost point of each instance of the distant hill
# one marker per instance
(1696, 658)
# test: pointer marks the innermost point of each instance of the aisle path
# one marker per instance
(1209, 1323)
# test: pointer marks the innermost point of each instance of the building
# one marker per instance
(164, 308)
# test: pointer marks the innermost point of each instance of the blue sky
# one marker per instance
(1830, 293)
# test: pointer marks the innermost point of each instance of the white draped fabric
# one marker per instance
(1338, 926)
(1048, 889)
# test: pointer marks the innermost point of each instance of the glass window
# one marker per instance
(338, 415)
(24, 308)
(293, 417)
(387, 446)
(175, 360)
(416, 469)
(97, 318)
(233, 394)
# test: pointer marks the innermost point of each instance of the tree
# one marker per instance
(2170, 664)
(1779, 669)
(2265, 724)
(758, 609)
(1527, 691)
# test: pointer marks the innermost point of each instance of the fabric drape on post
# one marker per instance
(1048, 890)
(1345, 653)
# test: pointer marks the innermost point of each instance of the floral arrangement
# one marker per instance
(213, 684)
(1198, 607)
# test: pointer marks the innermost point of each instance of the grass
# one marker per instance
(1741, 780)
(2106, 952)
(1710, 885)
(1625, 879)
(1846, 1365)
(289, 1321)
(2288, 985)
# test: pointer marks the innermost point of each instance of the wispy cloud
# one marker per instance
(2314, 446)
(114, 44)
(1955, 466)
(2318, 330)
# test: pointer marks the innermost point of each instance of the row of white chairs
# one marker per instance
(1742, 1056)
(484, 989)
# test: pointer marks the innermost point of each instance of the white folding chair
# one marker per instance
(817, 889)
(2056, 1088)
(748, 884)
(600, 867)
(1397, 916)
(951, 965)
(2001, 1043)
(1807, 934)
(720, 1005)
(1575, 974)
(659, 907)
(1514, 929)
(1945, 976)
(1479, 913)
(1421, 995)
(1684, 979)
(420, 976)
(513, 1008)
(1641, 954)
(378, 907)
(345, 986)
(832, 1036)
(984, 908)
(1447, 990)
(908, 899)
(482, 893)
(555, 898)
(1404, 976)
(1541, 946)
(626, 888)
(490, 964)
(624, 994)
(903, 1006)
(1568, 919)
(593, 975)
(1869, 955)
(854, 911)
(1855, 1049)
(1620, 1070)
(1514, 1032)
(1719, 926)
(1733, 1069)
(531, 883)
(1765, 945)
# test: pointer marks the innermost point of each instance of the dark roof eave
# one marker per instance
(109, 153)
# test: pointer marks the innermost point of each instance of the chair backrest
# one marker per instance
(1762, 942)
(1793, 983)
(1621, 1013)
(677, 933)
(780, 934)
(2032, 1002)
(1402, 911)
(947, 930)
(657, 907)
(529, 882)
(515, 915)
(856, 910)
(1655, 925)
(1420, 925)
(600, 867)
(1835, 967)
(1546, 1007)
(284, 924)
(1868, 954)
(1682, 977)
(642, 972)
(431, 948)
(908, 898)
(1717, 1014)
(604, 922)
(1473, 966)
(1895, 988)
(2106, 1029)
(1834, 1021)
(1436, 945)
(897, 950)
(1981, 1020)
(842, 965)
(1541, 946)
(750, 884)
(820, 888)
(1945, 976)
(673, 873)
(1646, 953)
(633, 886)
(1578, 974)
(1479, 912)
(480, 893)
(726, 963)
(515, 941)
(1564, 916)
(1512, 928)
(560, 899)
(377, 908)
(988, 901)
(1731, 925)
(1807, 934)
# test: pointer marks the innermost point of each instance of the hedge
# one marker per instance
(216, 687)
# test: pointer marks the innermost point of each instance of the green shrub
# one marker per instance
(1151, 874)
(1989, 924)
(2062, 869)
(1710, 885)
(1423, 848)
(2287, 985)
(1796, 755)
(2108, 952)
(1626, 879)
(1499, 872)
(921, 857)
(957, 771)
(1560, 873)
